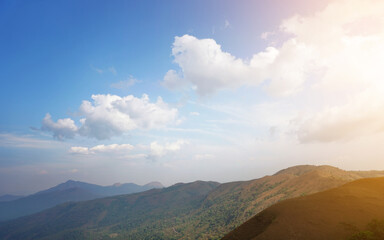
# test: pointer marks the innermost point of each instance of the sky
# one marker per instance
(177, 91)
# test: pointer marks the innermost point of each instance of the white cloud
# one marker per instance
(194, 113)
(79, 150)
(112, 148)
(159, 150)
(112, 115)
(63, 128)
(204, 65)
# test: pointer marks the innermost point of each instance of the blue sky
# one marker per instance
(246, 88)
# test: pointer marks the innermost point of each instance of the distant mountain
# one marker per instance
(334, 214)
(103, 191)
(70, 191)
(7, 198)
(146, 210)
(154, 185)
(199, 210)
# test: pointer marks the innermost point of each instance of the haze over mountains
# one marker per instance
(70, 191)
(198, 210)
(8, 197)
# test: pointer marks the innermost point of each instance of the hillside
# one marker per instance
(70, 191)
(199, 210)
(332, 214)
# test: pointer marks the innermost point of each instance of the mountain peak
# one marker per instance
(70, 181)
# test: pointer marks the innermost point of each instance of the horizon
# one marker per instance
(135, 92)
(197, 180)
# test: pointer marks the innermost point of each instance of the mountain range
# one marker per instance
(198, 210)
(70, 191)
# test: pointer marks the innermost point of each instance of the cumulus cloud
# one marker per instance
(159, 150)
(62, 128)
(112, 115)
(208, 68)
(112, 148)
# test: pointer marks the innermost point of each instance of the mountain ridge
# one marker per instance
(197, 210)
